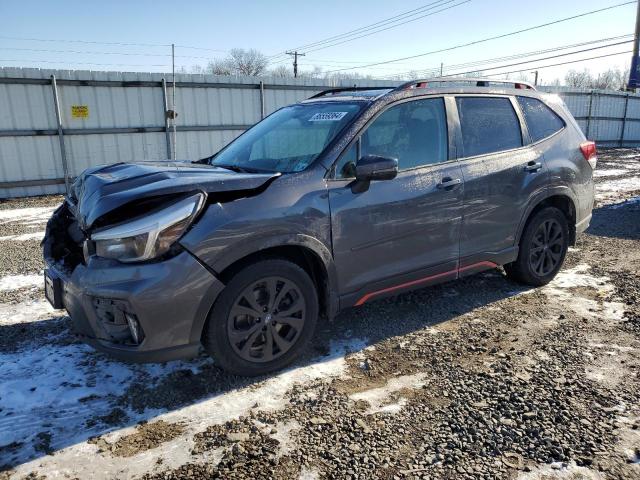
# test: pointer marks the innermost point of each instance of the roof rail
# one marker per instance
(479, 82)
(333, 91)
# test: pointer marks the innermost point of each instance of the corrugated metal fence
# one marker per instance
(106, 117)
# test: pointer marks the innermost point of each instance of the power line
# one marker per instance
(519, 55)
(83, 63)
(556, 64)
(88, 52)
(84, 52)
(93, 42)
(202, 48)
(387, 28)
(319, 62)
(540, 59)
(387, 20)
(3, 37)
(496, 37)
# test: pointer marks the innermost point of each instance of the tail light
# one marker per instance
(589, 152)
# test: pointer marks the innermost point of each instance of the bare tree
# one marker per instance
(219, 67)
(612, 79)
(248, 62)
(577, 79)
(605, 81)
(239, 62)
(281, 71)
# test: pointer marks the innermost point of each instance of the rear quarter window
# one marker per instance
(488, 124)
(542, 122)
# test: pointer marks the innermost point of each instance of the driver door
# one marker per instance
(401, 233)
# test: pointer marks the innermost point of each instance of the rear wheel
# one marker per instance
(543, 248)
(263, 319)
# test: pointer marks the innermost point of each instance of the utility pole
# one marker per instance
(535, 81)
(173, 97)
(295, 61)
(441, 68)
(634, 72)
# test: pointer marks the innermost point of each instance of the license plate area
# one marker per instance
(53, 289)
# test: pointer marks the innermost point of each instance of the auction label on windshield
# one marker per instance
(328, 117)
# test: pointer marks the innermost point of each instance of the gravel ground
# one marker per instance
(479, 378)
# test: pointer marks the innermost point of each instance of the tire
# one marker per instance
(247, 332)
(543, 248)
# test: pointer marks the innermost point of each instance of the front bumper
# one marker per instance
(170, 299)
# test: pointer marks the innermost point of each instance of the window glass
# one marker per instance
(415, 133)
(541, 120)
(289, 140)
(488, 125)
(346, 165)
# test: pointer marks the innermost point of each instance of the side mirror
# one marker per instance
(375, 167)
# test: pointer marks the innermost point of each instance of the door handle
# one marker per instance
(533, 166)
(449, 183)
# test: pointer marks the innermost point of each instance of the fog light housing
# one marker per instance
(134, 328)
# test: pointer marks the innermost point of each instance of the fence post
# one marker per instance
(63, 150)
(261, 99)
(624, 120)
(167, 131)
(588, 132)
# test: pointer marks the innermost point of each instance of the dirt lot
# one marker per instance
(479, 378)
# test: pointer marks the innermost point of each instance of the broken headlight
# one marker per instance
(149, 236)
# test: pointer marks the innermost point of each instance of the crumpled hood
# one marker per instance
(99, 190)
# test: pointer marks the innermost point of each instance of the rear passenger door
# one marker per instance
(500, 175)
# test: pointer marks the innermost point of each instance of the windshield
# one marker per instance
(289, 140)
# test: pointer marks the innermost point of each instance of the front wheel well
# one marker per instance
(303, 257)
(562, 203)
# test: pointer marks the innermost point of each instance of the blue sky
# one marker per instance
(276, 25)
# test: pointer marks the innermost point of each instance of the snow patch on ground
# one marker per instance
(578, 276)
(378, 398)
(24, 237)
(14, 282)
(65, 374)
(30, 215)
(307, 473)
(560, 289)
(610, 191)
(283, 436)
(616, 172)
(561, 471)
(26, 312)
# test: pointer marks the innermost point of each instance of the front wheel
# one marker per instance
(543, 247)
(263, 318)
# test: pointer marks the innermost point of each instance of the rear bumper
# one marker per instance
(170, 300)
(583, 224)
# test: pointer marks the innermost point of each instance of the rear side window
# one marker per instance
(541, 120)
(488, 125)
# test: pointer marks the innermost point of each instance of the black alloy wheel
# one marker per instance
(266, 319)
(263, 318)
(547, 246)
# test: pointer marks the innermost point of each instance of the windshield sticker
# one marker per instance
(328, 117)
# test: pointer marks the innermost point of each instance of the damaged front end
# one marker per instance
(115, 263)
(142, 232)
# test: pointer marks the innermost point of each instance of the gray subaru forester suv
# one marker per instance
(342, 199)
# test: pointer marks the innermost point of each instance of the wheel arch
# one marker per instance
(563, 200)
(306, 252)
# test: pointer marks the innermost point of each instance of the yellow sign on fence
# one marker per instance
(80, 111)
